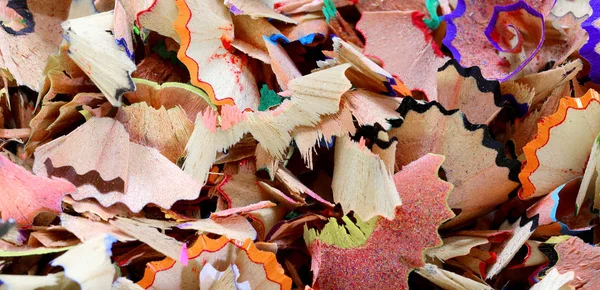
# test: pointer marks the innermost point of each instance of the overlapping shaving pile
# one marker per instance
(299, 144)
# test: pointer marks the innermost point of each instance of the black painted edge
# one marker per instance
(514, 166)
(20, 7)
(484, 85)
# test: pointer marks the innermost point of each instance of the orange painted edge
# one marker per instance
(169, 214)
(399, 87)
(532, 163)
(152, 269)
(180, 25)
(212, 178)
(274, 272)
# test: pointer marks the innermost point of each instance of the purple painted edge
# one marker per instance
(451, 31)
(451, 28)
(520, 109)
(587, 50)
(388, 85)
(183, 225)
(235, 10)
(512, 7)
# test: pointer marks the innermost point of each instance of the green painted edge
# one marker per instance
(38, 251)
(329, 10)
(268, 98)
(348, 236)
(434, 22)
